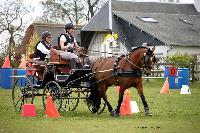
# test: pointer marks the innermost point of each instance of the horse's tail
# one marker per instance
(94, 97)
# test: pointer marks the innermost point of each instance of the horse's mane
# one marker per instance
(138, 48)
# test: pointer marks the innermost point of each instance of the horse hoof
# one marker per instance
(114, 114)
(149, 114)
(94, 110)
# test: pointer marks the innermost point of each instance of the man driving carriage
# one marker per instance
(68, 45)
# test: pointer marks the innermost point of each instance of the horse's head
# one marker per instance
(145, 58)
(149, 58)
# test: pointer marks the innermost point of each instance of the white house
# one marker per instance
(171, 27)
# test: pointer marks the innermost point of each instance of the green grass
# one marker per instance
(172, 113)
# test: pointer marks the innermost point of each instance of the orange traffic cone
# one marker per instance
(6, 62)
(165, 88)
(125, 108)
(51, 110)
(28, 110)
(22, 64)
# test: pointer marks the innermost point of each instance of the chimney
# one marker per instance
(197, 5)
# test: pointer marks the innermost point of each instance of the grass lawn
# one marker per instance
(172, 113)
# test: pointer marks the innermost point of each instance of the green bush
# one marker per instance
(180, 60)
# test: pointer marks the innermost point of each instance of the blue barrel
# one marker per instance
(166, 73)
(33, 79)
(172, 79)
(183, 77)
(6, 79)
(0, 77)
(21, 72)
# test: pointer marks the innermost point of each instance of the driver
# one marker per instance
(68, 45)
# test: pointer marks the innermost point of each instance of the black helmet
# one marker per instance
(69, 26)
(46, 34)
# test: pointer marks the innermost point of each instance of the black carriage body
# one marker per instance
(79, 78)
(66, 87)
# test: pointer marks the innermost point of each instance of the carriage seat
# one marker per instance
(37, 67)
(35, 61)
(56, 59)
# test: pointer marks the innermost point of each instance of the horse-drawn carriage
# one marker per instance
(53, 76)
(67, 87)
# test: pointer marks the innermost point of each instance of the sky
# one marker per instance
(38, 7)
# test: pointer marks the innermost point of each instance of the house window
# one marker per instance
(148, 19)
(185, 21)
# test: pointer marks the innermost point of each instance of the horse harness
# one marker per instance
(124, 73)
(127, 73)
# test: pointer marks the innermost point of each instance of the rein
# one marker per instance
(132, 63)
(137, 71)
(103, 52)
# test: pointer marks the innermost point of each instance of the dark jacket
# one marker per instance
(68, 40)
(38, 53)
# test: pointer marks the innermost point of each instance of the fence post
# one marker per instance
(192, 71)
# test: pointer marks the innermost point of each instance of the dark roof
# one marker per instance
(169, 28)
(154, 7)
(100, 22)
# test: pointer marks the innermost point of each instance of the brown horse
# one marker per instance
(125, 71)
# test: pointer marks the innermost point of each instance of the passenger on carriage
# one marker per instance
(42, 48)
(68, 46)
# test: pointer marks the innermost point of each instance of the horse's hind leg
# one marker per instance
(110, 109)
(141, 94)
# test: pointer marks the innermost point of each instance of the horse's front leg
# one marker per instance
(139, 88)
(121, 95)
(146, 107)
(110, 109)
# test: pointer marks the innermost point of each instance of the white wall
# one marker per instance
(96, 45)
(188, 50)
(197, 5)
(161, 51)
(167, 50)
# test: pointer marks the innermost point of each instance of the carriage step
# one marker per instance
(62, 78)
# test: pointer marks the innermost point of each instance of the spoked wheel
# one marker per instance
(22, 92)
(70, 99)
(93, 109)
(54, 89)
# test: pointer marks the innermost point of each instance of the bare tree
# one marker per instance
(92, 6)
(59, 11)
(76, 11)
(12, 22)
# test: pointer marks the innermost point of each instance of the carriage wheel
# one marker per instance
(22, 92)
(91, 106)
(100, 110)
(54, 89)
(70, 99)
